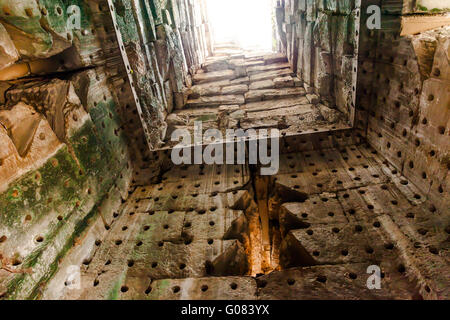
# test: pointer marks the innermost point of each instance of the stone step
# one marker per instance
(270, 94)
(272, 105)
(271, 75)
(215, 101)
(206, 77)
(221, 83)
(205, 91)
(275, 58)
(280, 82)
(263, 68)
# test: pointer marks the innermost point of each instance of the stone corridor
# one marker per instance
(239, 89)
(93, 205)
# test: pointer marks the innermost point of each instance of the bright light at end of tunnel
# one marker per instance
(247, 23)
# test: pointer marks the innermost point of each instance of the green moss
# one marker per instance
(421, 8)
(207, 117)
(127, 24)
(95, 156)
(40, 192)
(113, 294)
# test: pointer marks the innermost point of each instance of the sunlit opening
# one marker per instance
(246, 23)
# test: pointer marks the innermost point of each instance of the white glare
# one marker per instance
(247, 23)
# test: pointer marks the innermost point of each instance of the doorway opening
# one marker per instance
(247, 24)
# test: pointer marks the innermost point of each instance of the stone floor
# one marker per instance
(330, 214)
(249, 90)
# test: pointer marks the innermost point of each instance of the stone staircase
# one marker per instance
(236, 89)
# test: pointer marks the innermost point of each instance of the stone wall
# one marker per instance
(403, 100)
(73, 141)
(319, 39)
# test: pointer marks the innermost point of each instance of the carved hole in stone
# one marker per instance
(321, 279)
(204, 288)
(261, 283)
(436, 72)
(124, 289)
(16, 262)
(433, 250)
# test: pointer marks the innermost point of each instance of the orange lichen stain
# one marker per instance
(54, 162)
(7, 264)
(15, 193)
